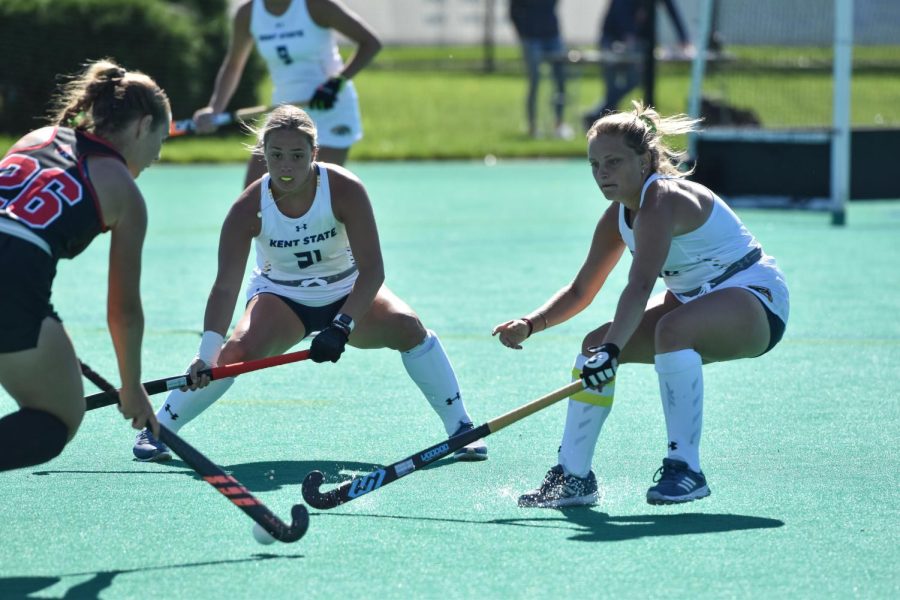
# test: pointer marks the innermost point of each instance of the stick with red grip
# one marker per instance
(157, 386)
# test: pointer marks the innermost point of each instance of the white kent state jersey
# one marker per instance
(300, 54)
(308, 258)
(698, 257)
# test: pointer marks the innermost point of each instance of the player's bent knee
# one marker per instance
(231, 353)
(671, 333)
(407, 331)
(237, 351)
(594, 338)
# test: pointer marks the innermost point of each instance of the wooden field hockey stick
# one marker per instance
(111, 396)
(187, 126)
(359, 486)
(226, 484)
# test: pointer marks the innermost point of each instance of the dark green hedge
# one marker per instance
(179, 43)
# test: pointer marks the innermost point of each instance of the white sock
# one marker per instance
(430, 369)
(181, 407)
(681, 390)
(587, 412)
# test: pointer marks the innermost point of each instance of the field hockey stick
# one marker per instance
(226, 484)
(359, 486)
(187, 126)
(111, 396)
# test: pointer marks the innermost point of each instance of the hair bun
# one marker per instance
(113, 74)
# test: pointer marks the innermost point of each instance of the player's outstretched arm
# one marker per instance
(230, 71)
(605, 251)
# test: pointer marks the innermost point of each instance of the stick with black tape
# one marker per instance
(359, 486)
(230, 487)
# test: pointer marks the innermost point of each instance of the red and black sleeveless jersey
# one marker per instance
(47, 188)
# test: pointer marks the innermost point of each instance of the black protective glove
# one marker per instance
(329, 344)
(326, 94)
(600, 369)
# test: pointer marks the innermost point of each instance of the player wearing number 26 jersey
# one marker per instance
(46, 196)
(60, 187)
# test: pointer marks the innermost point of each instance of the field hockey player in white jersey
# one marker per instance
(725, 299)
(318, 268)
(297, 40)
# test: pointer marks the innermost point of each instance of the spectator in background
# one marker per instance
(624, 35)
(538, 29)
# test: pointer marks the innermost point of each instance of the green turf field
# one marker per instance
(800, 446)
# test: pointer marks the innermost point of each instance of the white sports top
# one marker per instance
(699, 256)
(300, 54)
(296, 255)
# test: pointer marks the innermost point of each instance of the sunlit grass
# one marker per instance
(437, 102)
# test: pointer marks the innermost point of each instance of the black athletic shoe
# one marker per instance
(559, 489)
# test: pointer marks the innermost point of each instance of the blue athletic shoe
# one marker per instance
(149, 449)
(474, 451)
(676, 483)
(559, 490)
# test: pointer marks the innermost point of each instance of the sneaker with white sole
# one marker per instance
(149, 449)
(559, 490)
(474, 451)
(676, 483)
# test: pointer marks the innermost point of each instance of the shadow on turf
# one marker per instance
(601, 527)
(263, 476)
(594, 526)
(24, 587)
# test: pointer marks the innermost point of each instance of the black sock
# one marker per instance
(30, 437)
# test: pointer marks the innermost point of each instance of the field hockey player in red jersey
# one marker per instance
(60, 187)
(725, 299)
(318, 268)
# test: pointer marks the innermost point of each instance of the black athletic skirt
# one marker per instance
(27, 274)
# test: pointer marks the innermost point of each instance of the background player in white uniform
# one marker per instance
(297, 40)
(319, 268)
(725, 300)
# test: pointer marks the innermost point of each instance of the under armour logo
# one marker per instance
(299, 227)
(449, 401)
(168, 409)
(673, 445)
